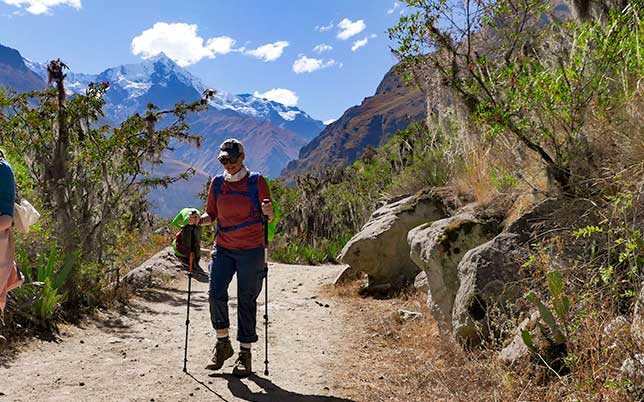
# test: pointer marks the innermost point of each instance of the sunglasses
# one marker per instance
(224, 160)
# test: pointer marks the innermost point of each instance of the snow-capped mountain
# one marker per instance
(288, 117)
(161, 81)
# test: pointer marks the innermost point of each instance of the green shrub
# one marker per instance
(323, 212)
(43, 293)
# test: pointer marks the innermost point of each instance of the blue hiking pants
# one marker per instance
(249, 266)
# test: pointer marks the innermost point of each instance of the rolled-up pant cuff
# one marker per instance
(247, 339)
(222, 325)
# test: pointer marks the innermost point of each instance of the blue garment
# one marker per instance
(7, 188)
(249, 266)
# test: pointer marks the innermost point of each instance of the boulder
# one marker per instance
(637, 327)
(542, 213)
(546, 357)
(488, 276)
(437, 248)
(381, 250)
(160, 267)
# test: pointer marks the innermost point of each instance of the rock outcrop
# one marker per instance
(161, 267)
(489, 276)
(381, 250)
(437, 248)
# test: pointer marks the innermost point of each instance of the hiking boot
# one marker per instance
(199, 274)
(223, 351)
(243, 365)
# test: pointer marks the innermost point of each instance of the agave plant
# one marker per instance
(43, 293)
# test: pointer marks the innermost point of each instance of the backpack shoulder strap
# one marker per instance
(216, 188)
(253, 186)
(253, 189)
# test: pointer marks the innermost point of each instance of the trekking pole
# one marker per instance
(266, 294)
(185, 349)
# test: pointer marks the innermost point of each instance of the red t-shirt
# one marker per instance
(233, 209)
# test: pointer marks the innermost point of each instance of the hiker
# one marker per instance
(182, 242)
(234, 203)
(7, 193)
(9, 275)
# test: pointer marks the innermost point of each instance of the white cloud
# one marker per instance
(323, 47)
(373, 36)
(180, 42)
(220, 44)
(268, 52)
(324, 28)
(359, 43)
(308, 65)
(350, 28)
(327, 122)
(393, 9)
(284, 96)
(43, 6)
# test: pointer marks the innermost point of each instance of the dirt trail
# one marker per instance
(138, 355)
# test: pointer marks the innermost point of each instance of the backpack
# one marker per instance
(188, 236)
(253, 193)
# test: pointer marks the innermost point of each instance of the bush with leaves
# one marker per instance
(526, 75)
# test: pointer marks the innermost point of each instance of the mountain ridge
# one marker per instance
(372, 123)
(15, 74)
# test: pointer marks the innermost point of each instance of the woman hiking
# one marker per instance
(9, 277)
(234, 204)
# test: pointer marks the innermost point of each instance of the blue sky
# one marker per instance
(242, 46)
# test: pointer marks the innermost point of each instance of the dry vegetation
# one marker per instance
(409, 361)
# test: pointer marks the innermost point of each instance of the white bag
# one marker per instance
(24, 216)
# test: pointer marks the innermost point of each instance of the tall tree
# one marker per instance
(92, 178)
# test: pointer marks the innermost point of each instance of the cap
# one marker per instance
(231, 148)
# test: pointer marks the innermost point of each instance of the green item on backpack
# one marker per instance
(183, 216)
(272, 225)
(179, 221)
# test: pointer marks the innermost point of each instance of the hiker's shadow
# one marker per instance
(272, 393)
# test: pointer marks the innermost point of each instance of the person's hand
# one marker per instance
(194, 219)
(268, 210)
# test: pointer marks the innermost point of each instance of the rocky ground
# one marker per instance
(136, 353)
